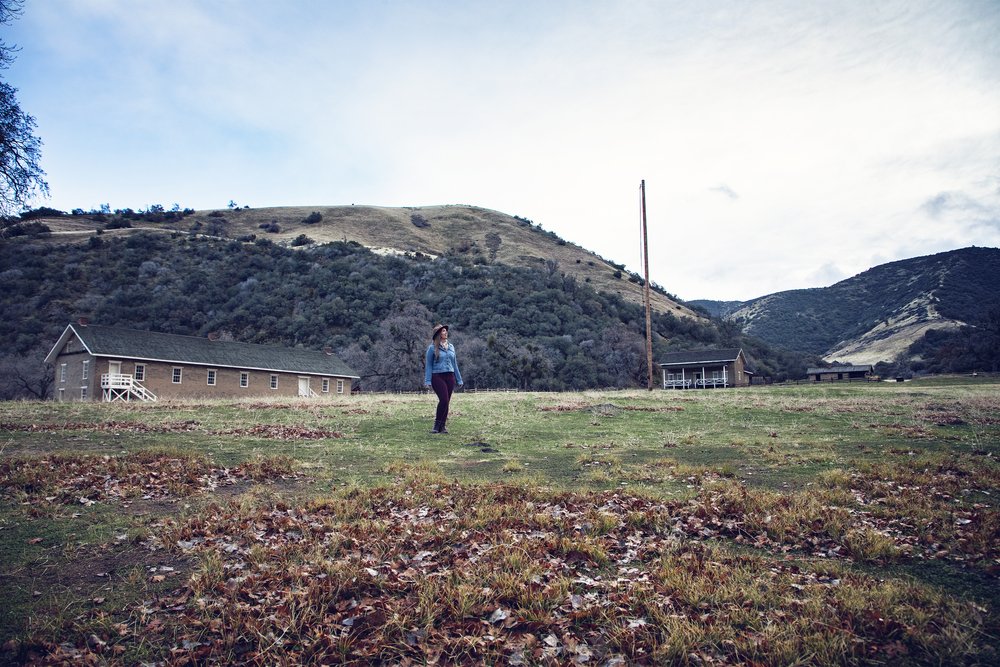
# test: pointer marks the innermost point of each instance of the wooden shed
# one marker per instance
(102, 363)
(705, 369)
(840, 373)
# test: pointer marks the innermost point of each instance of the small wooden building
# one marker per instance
(705, 369)
(840, 373)
(102, 363)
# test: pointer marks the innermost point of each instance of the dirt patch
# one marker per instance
(608, 409)
(282, 432)
(142, 507)
(270, 431)
(110, 425)
(94, 573)
(152, 479)
(483, 447)
(98, 566)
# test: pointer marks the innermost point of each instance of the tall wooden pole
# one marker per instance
(645, 264)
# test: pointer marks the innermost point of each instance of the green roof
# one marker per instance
(104, 341)
(700, 357)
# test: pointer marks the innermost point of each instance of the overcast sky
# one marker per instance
(783, 144)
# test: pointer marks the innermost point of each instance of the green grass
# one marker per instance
(890, 489)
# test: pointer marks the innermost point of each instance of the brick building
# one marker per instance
(102, 363)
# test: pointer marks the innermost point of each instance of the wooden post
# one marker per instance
(645, 263)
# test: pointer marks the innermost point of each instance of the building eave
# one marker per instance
(53, 354)
(697, 362)
(116, 348)
(182, 362)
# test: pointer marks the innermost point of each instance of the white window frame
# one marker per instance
(62, 372)
(244, 379)
(86, 370)
(140, 372)
(177, 375)
(274, 381)
(340, 386)
(211, 377)
(326, 385)
(83, 393)
(62, 394)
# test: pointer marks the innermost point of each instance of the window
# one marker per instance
(83, 393)
(69, 345)
(326, 385)
(62, 372)
(244, 379)
(274, 382)
(86, 371)
(211, 377)
(340, 386)
(62, 394)
(177, 375)
(140, 372)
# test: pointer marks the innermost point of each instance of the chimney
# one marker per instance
(83, 321)
(328, 350)
(213, 335)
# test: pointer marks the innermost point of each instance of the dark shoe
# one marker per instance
(444, 430)
(435, 431)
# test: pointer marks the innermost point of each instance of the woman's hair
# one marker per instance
(436, 341)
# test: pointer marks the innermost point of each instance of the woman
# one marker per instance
(441, 372)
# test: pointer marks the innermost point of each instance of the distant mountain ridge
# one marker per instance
(875, 315)
(714, 308)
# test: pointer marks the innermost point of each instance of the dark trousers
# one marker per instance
(444, 386)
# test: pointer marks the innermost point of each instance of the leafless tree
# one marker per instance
(21, 177)
(25, 377)
(395, 361)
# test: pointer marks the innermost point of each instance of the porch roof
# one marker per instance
(699, 357)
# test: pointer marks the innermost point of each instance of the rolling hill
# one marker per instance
(530, 309)
(469, 231)
(878, 314)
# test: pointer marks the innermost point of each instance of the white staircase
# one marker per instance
(119, 387)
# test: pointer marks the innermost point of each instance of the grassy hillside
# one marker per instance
(529, 309)
(850, 524)
(878, 314)
(716, 308)
(531, 327)
(476, 233)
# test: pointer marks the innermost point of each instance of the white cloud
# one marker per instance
(770, 135)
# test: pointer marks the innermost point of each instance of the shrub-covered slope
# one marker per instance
(878, 314)
(535, 328)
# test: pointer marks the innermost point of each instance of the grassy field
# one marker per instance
(850, 524)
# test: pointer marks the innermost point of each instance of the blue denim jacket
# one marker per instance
(446, 362)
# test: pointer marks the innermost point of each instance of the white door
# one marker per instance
(115, 367)
(303, 386)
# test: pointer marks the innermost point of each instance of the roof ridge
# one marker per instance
(112, 341)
